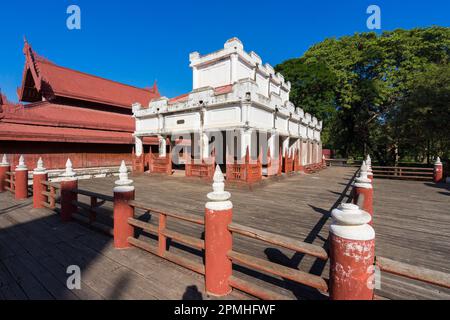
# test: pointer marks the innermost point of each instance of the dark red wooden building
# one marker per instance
(66, 113)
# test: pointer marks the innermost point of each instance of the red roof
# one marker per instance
(217, 91)
(43, 78)
(50, 114)
(45, 121)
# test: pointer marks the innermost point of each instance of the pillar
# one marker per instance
(438, 170)
(4, 168)
(162, 146)
(273, 150)
(123, 192)
(352, 254)
(68, 183)
(218, 239)
(39, 175)
(21, 180)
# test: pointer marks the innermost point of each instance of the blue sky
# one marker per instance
(138, 41)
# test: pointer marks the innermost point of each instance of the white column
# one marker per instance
(138, 146)
(273, 144)
(246, 141)
(204, 143)
(285, 148)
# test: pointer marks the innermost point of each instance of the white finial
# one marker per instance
(350, 222)
(69, 171)
(219, 193)
(21, 165)
(438, 161)
(123, 176)
(40, 166)
(4, 161)
(369, 163)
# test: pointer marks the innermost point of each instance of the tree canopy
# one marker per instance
(386, 94)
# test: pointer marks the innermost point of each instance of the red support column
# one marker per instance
(218, 239)
(363, 193)
(438, 171)
(21, 180)
(123, 192)
(352, 254)
(39, 175)
(4, 167)
(68, 184)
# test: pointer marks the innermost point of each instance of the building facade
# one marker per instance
(64, 113)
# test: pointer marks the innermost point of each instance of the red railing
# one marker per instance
(10, 181)
(51, 191)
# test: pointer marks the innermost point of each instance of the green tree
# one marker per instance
(362, 85)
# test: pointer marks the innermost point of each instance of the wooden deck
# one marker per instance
(411, 220)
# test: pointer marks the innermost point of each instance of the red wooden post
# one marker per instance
(352, 254)
(218, 239)
(123, 192)
(4, 167)
(39, 175)
(363, 188)
(92, 213)
(162, 239)
(438, 172)
(21, 180)
(68, 184)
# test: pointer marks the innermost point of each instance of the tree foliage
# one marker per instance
(386, 94)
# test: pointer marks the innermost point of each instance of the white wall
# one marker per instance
(215, 75)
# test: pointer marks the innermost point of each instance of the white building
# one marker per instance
(236, 95)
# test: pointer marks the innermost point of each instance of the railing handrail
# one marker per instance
(177, 215)
(282, 241)
(292, 274)
(403, 168)
(51, 184)
(438, 278)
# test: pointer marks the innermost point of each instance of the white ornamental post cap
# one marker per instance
(40, 166)
(369, 163)
(69, 173)
(363, 170)
(219, 197)
(21, 165)
(438, 161)
(4, 162)
(123, 176)
(350, 222)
